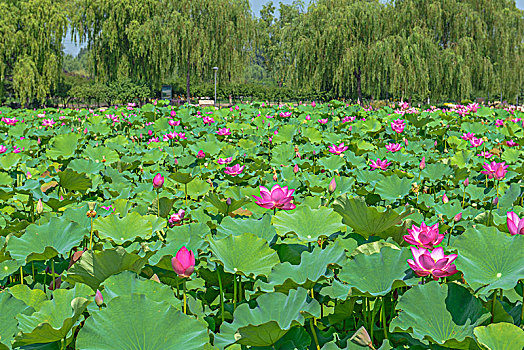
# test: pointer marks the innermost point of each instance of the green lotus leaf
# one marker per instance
(393, 188)
(127, 283)
(31, 297)
(9, 160)
(9, 308)
(372, 248)
(43, 242)
(73, 181)
(436, 171)
(489, 258)
(86, 166)
(63, 146)
(425, 311)
(261, 228)
(95, 267)
(222, 206)
(55, 318)
(246, 254)
(500, 336)
(307, 223)
(313, 266)
(121, 230)
(183, 178)
(264, 325)
(135, 322)
(197, 188)
(361, 272)
(7, 267)
(364, 220)
(332, 163)
(191, 236)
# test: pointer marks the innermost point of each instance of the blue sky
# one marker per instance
(256, 5)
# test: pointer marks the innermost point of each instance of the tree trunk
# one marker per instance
(357, 75)
(188, 78)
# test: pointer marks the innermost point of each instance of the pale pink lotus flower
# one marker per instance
(348, 119)
(48, 122)
(177, 217)
(393, 147)
(337, 149)
(445, 199)
(485, 154)
(495, 170)
(285, 114)
(468, 136)
(234, 170)
(322, 121)
(422, 164)
(435, 263)
(515, 224)
(379, 164)
(184, 262)
(277, 198)
(227, 160)
(499, 123)
(173, 122)
(295, 168)
(475, 142)
(224, 132)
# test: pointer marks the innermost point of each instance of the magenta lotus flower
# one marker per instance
(466, 182)
(445, 199)
(48, 122)
(424, 236)
(393, 147)
(3, 149)
(158, 181)
(201, 154)
(177, 217)
(277, 198)
(322, 121)
(285, 114)
(174, 122)
(495, 170)
(499, 123)
(17, 149)
(458, 217)
(170, 136)
(227, 160)
(99, 299)
(434, 263)
(234, 170)
(475, 142)
(308, 117)
(515, 224)
(398, 125)
(485, 154)
(468, 136)
(10, 121)
(224, 132)
(379, 164)
(511, 143)
(422, 164)
(184, 262)
(313, 104)
(337, 149)
(173, 113)
(208, 120)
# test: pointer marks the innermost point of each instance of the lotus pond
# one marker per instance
(325, 226)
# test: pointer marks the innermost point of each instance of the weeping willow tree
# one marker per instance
(156, 41)
(31, 33)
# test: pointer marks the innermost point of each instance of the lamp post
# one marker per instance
(216, 70)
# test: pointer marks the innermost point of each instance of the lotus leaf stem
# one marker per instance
(234, 292)
(372, 326)
(21, 276)
(384, 320)
(185, 298)
(313, 333)
(53, 273)
(221, 295)
(493, 305)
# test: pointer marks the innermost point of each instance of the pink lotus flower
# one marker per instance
(177, 217)
(277, 198)
(3, 149)
(379, 164)
(208, 120)
(295, 168)
(313, 104)
(485, 154)
(201, 154)
(348, 119)
(434, 263)
(511, 143)
(499, 123)
(158, 181)
(224, 132)
(398, 125)
(466, 182)
(172, 113)
(468, 136)
(285, 114)
(308, 117)
(424, 236)
(495, 170)
(515, 224)
(10, 121)
(475, 142)
(332, 185)
(445, 199)
(337, 149)
(182, 136)
(393, 147)
(322, 121)
(170, 136)
(173, 122)
(48, 122)
(99, 299)
(17, 150)
(227, 160)
(184, 262)
(234, 170)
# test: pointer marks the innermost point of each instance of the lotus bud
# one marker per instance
(228, 201)
(295, 168)
(495, 201)
(445, 199)
(362, 338)
(422, 163)
(466, 182)
(458, 217)
(158, 181)
(99, 299)
(39, 206)
(332, 186)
